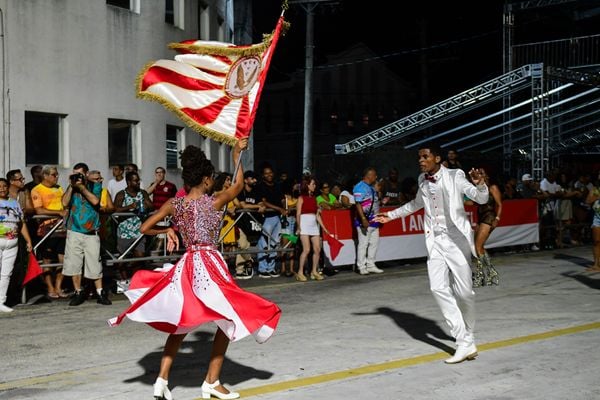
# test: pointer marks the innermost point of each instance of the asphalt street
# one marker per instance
(350, 336)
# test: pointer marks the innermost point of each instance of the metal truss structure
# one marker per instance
(484, 93)
(570, 75)
(548, 122)
(561, 114)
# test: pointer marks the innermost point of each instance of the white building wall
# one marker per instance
(81, 58)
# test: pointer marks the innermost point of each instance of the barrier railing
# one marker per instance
(122, 257)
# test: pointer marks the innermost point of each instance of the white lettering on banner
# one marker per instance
(415, 223)
(256, 226)
(470, 216)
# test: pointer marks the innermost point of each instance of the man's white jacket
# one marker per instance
(454, 186)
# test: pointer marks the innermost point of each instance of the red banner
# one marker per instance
(403, 238)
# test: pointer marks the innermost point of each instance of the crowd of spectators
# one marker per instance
(272, 229)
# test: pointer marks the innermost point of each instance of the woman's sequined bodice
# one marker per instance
(197, 220)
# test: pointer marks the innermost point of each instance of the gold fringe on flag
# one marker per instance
(239, 51)
(204, 131)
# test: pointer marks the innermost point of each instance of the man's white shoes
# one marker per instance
(4, 308)
(462, 353)
(374, 270)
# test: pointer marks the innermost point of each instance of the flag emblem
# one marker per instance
(213, 87)
(242, 77)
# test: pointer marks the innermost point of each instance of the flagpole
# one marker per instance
(235, 171)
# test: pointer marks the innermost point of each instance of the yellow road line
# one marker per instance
(407, 362)
(314, 380)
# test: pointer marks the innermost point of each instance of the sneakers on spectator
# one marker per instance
(534, 248)
(122, 286)
(103, 299)
(265, 275)
(78, 298)
(374, 270)
(246, 274)
(362, 271)
(274, 274)
(5, 308)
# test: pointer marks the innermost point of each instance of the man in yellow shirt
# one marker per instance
(46, 198)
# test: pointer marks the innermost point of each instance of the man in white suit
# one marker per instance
(449, 241)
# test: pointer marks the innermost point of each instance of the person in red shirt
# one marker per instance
(308, 221)
(161, 189)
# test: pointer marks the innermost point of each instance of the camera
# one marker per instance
(76, 178)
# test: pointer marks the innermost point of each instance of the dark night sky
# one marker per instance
(452, 66)
(462, 41)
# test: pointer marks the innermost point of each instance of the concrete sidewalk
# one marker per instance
(350, 336)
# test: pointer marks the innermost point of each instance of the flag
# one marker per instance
(334, 245)
(213, 87)
(33, 269)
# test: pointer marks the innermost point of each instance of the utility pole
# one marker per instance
(309, 7)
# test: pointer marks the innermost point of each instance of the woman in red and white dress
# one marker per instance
(199, 288)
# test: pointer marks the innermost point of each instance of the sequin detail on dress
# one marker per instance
(197, 220)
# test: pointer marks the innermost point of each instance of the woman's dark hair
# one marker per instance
(305, 182)
(220, 181)
(195, 166)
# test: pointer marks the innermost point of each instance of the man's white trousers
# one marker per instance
(451, 283)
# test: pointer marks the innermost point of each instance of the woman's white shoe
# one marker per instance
(161, 390)
(208, 389)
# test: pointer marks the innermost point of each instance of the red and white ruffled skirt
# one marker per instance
(198, 289)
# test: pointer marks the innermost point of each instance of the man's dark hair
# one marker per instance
(10, 175)
(133, 166)
(129, 176)
(120, 166)
(36, 169)
(83, 166)
(433, 149)
(264, 165)
(366, 170)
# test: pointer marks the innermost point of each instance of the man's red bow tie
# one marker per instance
(430, 178)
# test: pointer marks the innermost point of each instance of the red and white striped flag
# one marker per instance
(214, 87)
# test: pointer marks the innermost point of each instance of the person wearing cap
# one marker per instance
(250, 223)
(549, 218)
(273, 198)
(529, 189)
